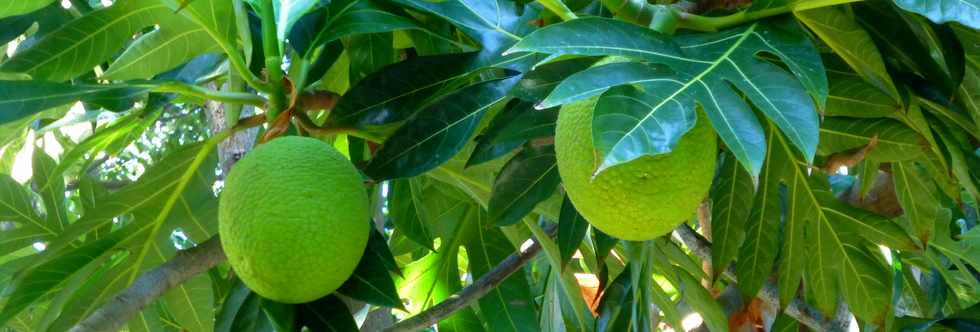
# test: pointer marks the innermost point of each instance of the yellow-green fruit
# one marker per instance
(639, 200)
(293, 219)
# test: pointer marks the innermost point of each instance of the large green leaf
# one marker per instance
(16, 207)
(434, 277)
(12, 8)
(853, 97)
(177, 41)
(896, 141)
(757, 254)
(919, 199)
(730, 197)
(852, 43)
(216, 17)
(192, 304)
(438, 132)
(394, 93)
(21, 99)
(509, 306)
(594, 81)
(706, 67)
(835, 257)
(966, 12)
(526, 180)
(176, 192)
(87, 41)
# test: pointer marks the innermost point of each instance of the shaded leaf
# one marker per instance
(394, 93)
(852, 43)
(758, 253)
(543, 79)
(896, 141)
(918, 197)
(25, 98)
(406, 211)
(571, 230)
(853, 97)
(515, 125)
(526, 180)
(730, 197)
(326, 314)
(371, 281)
(437, 133)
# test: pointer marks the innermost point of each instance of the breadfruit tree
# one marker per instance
(489, 165)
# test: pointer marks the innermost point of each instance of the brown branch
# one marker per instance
(798, 309)
(470, 293)
(151, 285)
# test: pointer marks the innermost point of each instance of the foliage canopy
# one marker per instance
(848, 160)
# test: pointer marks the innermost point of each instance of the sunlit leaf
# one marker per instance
(706, 69)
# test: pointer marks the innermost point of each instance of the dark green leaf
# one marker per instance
(281, 315)
(730, 199)
(526, 180)
(371, 281)
(240, 311)
(394, 93)
(515, 125)
(326, 314)
(438, 132)
(543, 79)
(368, 53)
(758, 253)
(571, 230)
(406, 211)
(24, 98)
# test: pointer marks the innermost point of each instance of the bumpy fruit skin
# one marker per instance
(293, 219)
(639, 200)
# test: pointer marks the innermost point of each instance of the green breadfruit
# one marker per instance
(293, 219)
(639, 200)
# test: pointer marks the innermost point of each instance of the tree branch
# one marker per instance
(799, 310)
(470, 293)
(151, 285)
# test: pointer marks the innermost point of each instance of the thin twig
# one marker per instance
(470, 293)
